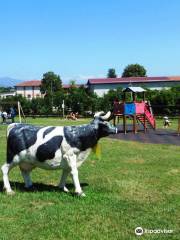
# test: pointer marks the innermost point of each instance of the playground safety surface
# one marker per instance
(159, 136)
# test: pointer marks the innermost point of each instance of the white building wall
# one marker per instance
(20, 91)
(101, 89)
(37, 92)
(7, 94)
(29, 92)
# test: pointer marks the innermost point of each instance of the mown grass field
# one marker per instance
(133, 185)
(159, 123)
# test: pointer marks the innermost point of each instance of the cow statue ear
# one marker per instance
(96, 123)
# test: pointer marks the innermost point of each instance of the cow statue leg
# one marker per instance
(5, 170)
(72, 162)
(62, 184)
(26, 176)
(75, 178)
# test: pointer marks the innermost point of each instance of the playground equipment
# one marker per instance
(138, 111)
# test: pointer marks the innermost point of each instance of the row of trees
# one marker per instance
(132, 70)
(165, 101)
(81, 100)
(84, 102)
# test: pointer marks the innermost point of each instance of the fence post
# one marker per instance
(19, 112)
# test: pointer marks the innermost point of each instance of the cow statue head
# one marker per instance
(103, 125)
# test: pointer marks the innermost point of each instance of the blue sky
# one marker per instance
(81, 39)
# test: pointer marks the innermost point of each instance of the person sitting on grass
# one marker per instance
(72, 116)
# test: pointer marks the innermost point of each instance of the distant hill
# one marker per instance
(9, 82)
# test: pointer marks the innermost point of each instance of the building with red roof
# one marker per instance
(31, 89)
(100, 86)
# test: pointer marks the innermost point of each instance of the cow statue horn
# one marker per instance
(107, 116)
(98, 114)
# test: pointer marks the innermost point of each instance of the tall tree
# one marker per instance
(134, 70)
(51, 83)
(111, 73)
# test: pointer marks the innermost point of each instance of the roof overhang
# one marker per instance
(134, 89)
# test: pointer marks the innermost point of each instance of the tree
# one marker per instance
(106, 103)
(5, 89)
(72, 83)
(111, 73)
(134, 70)
(50, 83)
(37, 106)
(58, 100)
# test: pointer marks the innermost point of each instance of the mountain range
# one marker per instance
(9, 82)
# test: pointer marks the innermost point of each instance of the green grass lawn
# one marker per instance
(133, 185)
(173, 124)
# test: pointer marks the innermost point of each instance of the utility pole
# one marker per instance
(63, 106)
(51, 95)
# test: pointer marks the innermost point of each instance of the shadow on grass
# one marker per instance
(39, 187)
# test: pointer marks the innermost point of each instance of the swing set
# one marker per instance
(17, 106)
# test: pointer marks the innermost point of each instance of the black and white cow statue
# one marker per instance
(64, 147)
